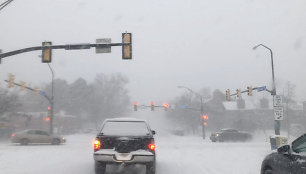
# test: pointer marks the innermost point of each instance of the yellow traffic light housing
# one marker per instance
(22, 85)
(238, 93)
(227, 92)
(11, 82)
(127, 49)
(250, 89)
(46, 52)
(36, 90)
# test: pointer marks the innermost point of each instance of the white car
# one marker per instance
(36, 136)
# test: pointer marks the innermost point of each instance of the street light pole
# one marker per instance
(52, 100)
(273, 92)
(201, 109)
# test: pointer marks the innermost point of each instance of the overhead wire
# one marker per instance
(4, 4)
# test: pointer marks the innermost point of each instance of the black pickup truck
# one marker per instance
(124, 141)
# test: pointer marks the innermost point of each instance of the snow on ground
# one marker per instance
(175, 155)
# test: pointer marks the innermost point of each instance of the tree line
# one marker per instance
(107, 96)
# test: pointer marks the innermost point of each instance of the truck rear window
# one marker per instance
(125, 128)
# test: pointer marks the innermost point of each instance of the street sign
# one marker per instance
(262, 88)
(278, 113)
(277, 100)
(104, 49)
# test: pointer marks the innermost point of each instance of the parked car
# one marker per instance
(124, 141)
(36, 136)
(287, 159)
(230, 135)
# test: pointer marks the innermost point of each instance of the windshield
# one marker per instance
(220, 84)
(125, 129)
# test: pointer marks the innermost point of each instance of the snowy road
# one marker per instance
(175, 155)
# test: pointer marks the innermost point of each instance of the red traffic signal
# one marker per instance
(135, 106)
(166, 106)
(205, 117)
(152, 106)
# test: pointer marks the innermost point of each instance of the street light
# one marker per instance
(201, 110)
(273, 92)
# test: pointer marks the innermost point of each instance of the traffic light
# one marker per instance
(48, 114)
(11, 80)
(227, 92)
(152, 106)
(250, 89)
(36, 90)
(46, 52)
(22, 85)
(238, 93)
(205, 119)
(135, 106)
(127, 49)
(166, 106)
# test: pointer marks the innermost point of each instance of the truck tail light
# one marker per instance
(97, 145)
(152, 147)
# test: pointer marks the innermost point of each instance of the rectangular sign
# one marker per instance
(278, 113)
(277, 100)
(262, 88)
(104, 49)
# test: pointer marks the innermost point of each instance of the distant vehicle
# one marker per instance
(124, 140)
(230, 135)
(36, 136)
(288, 159)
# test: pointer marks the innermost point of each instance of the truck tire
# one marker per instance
(150, 168)
(100, 168)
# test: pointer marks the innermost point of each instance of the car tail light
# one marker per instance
(13, 135)
(152, 147)
(97, 145)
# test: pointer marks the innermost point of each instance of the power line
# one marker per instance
(4, 4)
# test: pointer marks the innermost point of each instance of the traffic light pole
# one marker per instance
(52, 101)
(273, 92)
(202, 113)
(201, 109)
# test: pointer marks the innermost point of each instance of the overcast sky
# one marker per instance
(198, 43)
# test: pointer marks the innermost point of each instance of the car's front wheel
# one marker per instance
(24, 141)
(150, 168)
(100, 168)
(55, 141)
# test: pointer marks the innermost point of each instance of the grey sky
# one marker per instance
(197, 43)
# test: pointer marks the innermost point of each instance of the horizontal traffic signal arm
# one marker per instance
(255, 88)
(31, 89)
(17, 84)
(66, 47)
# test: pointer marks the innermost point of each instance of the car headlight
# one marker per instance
(217, 135)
